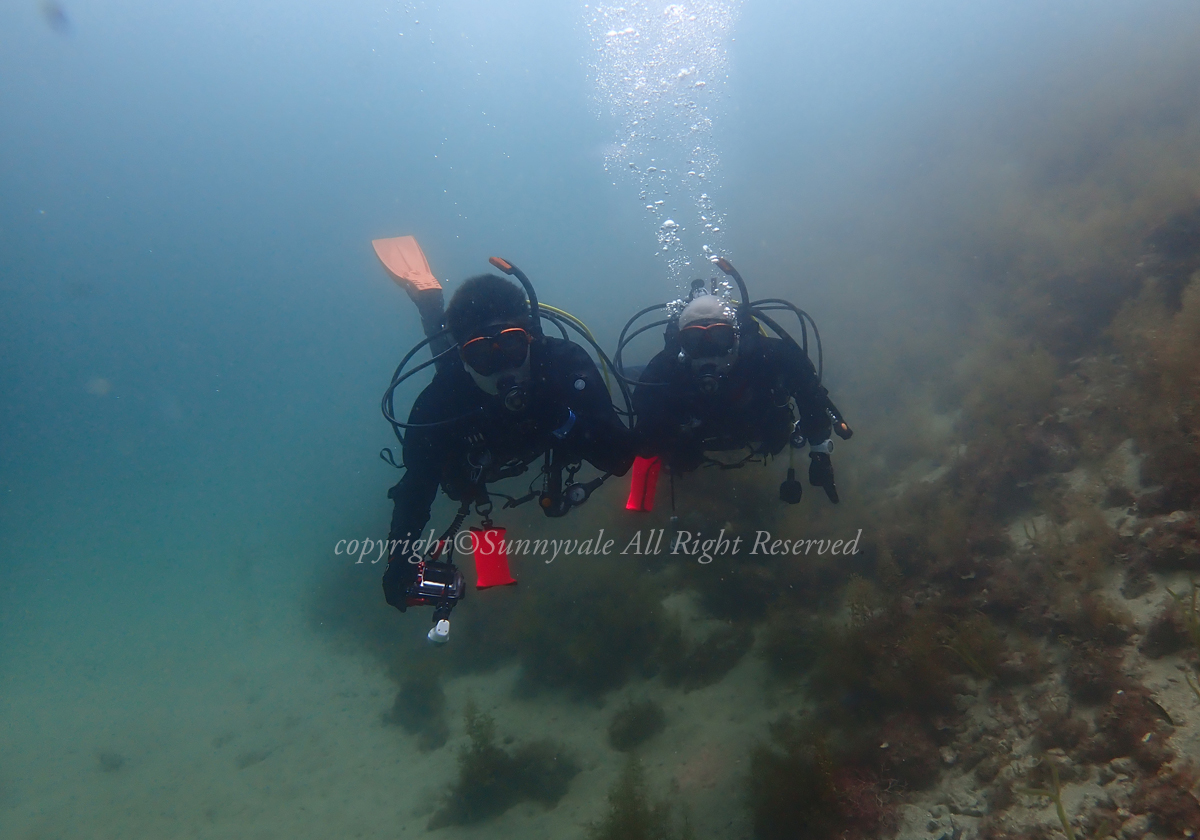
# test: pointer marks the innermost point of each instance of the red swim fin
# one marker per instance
(643, 482)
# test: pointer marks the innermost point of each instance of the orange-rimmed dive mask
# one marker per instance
(490, 354)
(705, 341)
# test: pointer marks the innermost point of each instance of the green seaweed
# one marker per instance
(1191, 612)
(491, 779)
(1159, 335)
(792, 793)
(420, 705)
(894, 660)
(1192, 684)
(634, 724)
(976, 641)
(1054, 794)
(803, 786)
(554, 631)
(632, 816)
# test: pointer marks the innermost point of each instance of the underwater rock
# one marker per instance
(908, 753)
(1057, 728)
(1137, 580)
(1167, 632)
(1132, 725)
(1118, 497)
(1173, 254)
(1093, 673)
(1021, 665)
(1170, 803)
(1053, 447)
(1172, 543)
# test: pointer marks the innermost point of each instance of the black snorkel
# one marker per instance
(535, 319)
(513, 393)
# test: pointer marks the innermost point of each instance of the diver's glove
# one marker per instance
(820, 473)
(399, 576)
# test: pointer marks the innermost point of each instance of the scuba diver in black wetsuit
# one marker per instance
(722, 385)
(504, 395)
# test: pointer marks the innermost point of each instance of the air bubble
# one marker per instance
(657, 77)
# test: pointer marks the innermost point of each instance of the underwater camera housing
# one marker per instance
(441, 586)
(437, 584)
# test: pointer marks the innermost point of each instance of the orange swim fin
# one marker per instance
(406, 263)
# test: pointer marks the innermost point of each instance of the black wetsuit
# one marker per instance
(492, 443)
(749, 411)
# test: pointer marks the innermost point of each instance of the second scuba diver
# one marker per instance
(505, 397)
(721, 386)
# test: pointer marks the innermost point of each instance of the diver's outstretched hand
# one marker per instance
(820, 474)
(398, 577)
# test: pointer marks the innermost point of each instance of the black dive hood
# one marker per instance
(406, 263)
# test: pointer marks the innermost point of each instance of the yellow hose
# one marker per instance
(562, 313)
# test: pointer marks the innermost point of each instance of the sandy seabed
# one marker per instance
(284, 736)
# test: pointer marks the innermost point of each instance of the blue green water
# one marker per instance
(195, 333)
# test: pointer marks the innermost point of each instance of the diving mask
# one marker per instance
(488, 355)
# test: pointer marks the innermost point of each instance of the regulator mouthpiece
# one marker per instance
(516, 398)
